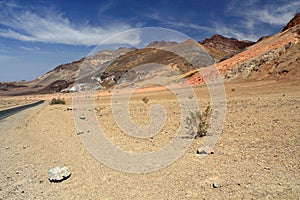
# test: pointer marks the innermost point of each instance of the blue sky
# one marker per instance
(36, 36)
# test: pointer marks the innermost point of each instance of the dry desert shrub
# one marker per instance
(202, 118)
(57, 101)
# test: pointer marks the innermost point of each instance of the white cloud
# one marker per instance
(234, 33)
(55, 28)
(275, 15)
(254, 13)
(257, 18)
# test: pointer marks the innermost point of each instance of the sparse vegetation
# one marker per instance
(57, 101)
(145, 99)
(202, 118)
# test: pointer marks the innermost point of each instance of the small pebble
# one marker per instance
(267, 168)
(200, 151)
(215, 185)
(80, 132)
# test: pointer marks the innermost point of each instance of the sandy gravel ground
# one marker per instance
(256, 157)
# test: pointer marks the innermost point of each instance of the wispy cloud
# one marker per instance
(214, 28)
(234, 33)
(274, 14)
(53, 27)
(254, 17)
(105, 7)
(30, 48)
(171, 22)
(253, 12)
(5, 58)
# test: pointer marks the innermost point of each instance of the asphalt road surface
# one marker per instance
(12, 111)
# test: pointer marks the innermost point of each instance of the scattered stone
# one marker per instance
(80, 132)
(17, 172)
(82, 117)
(6, 147)
(200, 151)
(58, 174)
(24, 147)
(145, 99)
(215, 185)
(69, 108)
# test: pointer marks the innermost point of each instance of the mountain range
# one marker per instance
(274, 57)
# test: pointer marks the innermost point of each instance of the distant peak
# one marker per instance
(162, 43)
(229, 45)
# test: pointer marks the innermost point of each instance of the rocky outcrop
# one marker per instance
(65, 75)
(56, 86)
(294, 22)
(280, 64)
(228, 45)
(9, 85)
(246, 69)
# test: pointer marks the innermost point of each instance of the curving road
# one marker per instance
(12, 111)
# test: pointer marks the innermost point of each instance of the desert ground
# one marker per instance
(256, 157)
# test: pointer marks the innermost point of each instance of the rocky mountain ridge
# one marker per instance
(274, 57)
(228, 45)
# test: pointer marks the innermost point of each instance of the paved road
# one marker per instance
(12, 111)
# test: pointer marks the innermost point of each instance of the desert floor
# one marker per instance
(256, 157)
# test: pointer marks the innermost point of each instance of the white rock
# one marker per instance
(58, 174)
